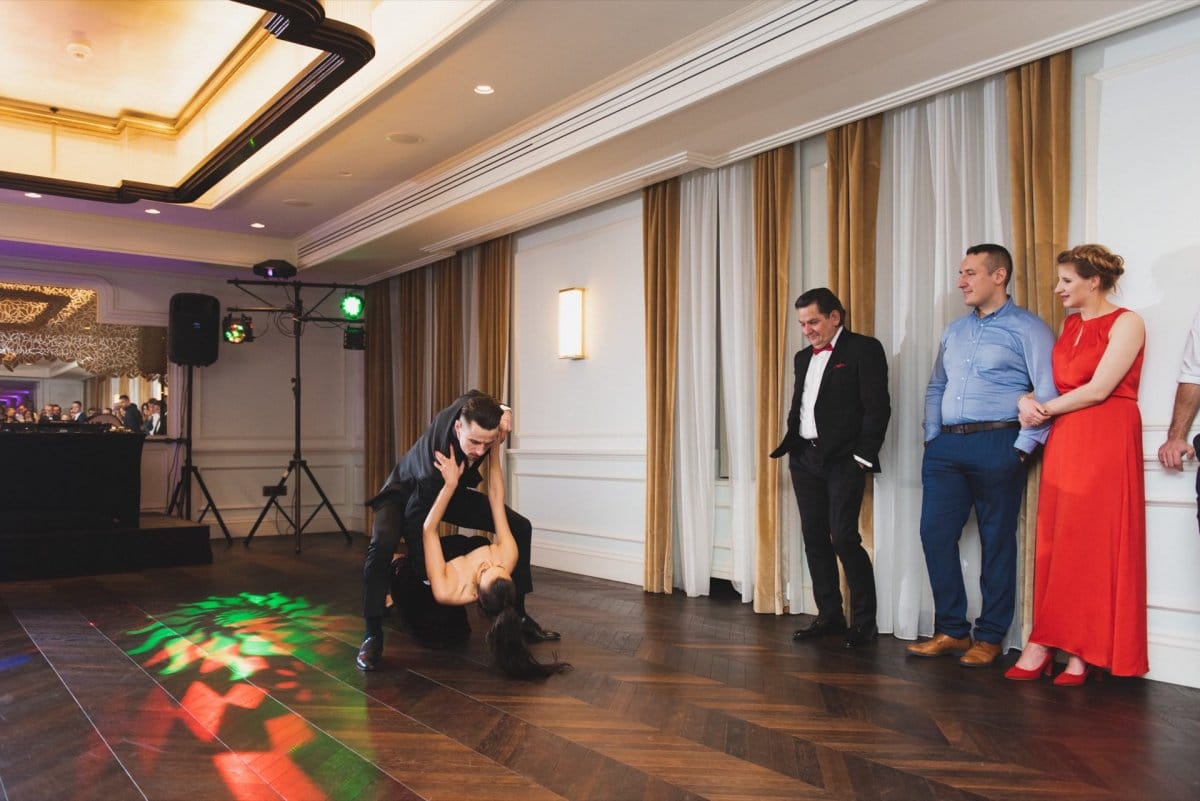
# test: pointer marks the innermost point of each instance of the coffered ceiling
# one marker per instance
(404, 162)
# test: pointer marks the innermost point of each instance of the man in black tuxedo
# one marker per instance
(835, 428)
(468, 428)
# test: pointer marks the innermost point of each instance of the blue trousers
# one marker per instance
(1196, 445)
(961, 472)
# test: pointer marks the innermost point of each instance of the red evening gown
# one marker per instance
(1089, 591)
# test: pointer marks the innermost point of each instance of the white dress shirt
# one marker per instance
(1189, 371)
(812, 384)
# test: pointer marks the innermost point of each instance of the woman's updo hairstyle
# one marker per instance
(1095, 260)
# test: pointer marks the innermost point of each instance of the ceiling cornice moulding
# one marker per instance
(301, 22)
(776, 38)
(1136, 15)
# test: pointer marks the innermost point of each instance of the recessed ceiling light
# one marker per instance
(345, 174)
(153, 211)
(297, 202)
(257, 225)
(403, 138)
(33, 195)
(484, 89)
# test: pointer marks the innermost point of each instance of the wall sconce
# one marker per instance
(570, 323)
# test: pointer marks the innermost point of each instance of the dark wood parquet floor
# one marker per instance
(236, 681)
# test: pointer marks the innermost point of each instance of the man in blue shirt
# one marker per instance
(976, 453)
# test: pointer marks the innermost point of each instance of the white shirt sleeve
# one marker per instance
(1189, 371)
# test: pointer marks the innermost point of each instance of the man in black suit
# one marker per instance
(131, 418)
(156, 424)
(468, 429)
(835, 428)
(76, 414)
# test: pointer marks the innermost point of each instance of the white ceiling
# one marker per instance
(594, 98)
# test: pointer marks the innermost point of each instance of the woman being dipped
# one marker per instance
(1090, 574)
(462, 570)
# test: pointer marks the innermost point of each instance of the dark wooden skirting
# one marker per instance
(235, 680)
(347, 49)
(157, 541)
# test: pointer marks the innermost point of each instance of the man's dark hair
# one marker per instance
(123, 397)
(997, 257)
(482, 410)
(826, 301)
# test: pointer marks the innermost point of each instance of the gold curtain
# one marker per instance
(495, 304)
(660, 243)
(1039, 166)
(379, 426)
(853, 189)
(411, 336)
(772, 241)
(447, 331)
(94, 392)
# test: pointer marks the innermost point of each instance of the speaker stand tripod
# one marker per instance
(297, 465)
(181, 496)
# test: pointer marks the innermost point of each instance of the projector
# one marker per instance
(274, 268)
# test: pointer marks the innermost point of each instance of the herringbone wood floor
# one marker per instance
(236, 681)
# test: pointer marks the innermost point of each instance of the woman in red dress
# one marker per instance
(1089, 596)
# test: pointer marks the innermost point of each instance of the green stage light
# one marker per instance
(353, 305)
(238, 330)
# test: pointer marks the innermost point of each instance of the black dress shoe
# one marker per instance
(535, 633)
(370, 653)
(820, 627)
(861, 635)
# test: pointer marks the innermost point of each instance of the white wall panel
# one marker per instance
(577, 466)
(1137, 110)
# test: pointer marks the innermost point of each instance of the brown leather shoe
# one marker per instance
(980, 654)
(940, 644)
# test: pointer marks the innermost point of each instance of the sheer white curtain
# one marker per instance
(736, 299)
(943, 187)
(696, 412)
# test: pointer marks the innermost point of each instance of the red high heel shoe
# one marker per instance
(1021, 674)
(1065, 679)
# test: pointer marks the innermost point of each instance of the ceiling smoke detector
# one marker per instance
(79, 49)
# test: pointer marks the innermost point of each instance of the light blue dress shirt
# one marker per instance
(984, 365)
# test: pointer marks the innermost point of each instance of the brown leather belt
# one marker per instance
(974, 428)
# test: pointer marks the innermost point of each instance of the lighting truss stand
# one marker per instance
(297, 465)
(181, 496)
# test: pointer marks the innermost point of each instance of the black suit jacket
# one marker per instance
(853, 406)
(416, 471)
(131, 418)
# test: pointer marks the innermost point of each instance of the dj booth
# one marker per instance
(68, 476)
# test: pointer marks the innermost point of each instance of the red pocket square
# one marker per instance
(839, 365)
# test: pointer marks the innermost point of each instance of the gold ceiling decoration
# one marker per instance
(52, 323)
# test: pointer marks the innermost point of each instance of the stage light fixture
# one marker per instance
(353, 306)
(274, 268)
(238, 329)
(354, 338)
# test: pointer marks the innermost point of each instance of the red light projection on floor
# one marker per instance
(237, 665)
(286, 734)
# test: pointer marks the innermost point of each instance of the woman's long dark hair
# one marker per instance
(512, 656)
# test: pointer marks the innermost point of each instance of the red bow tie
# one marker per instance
(817, 350)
